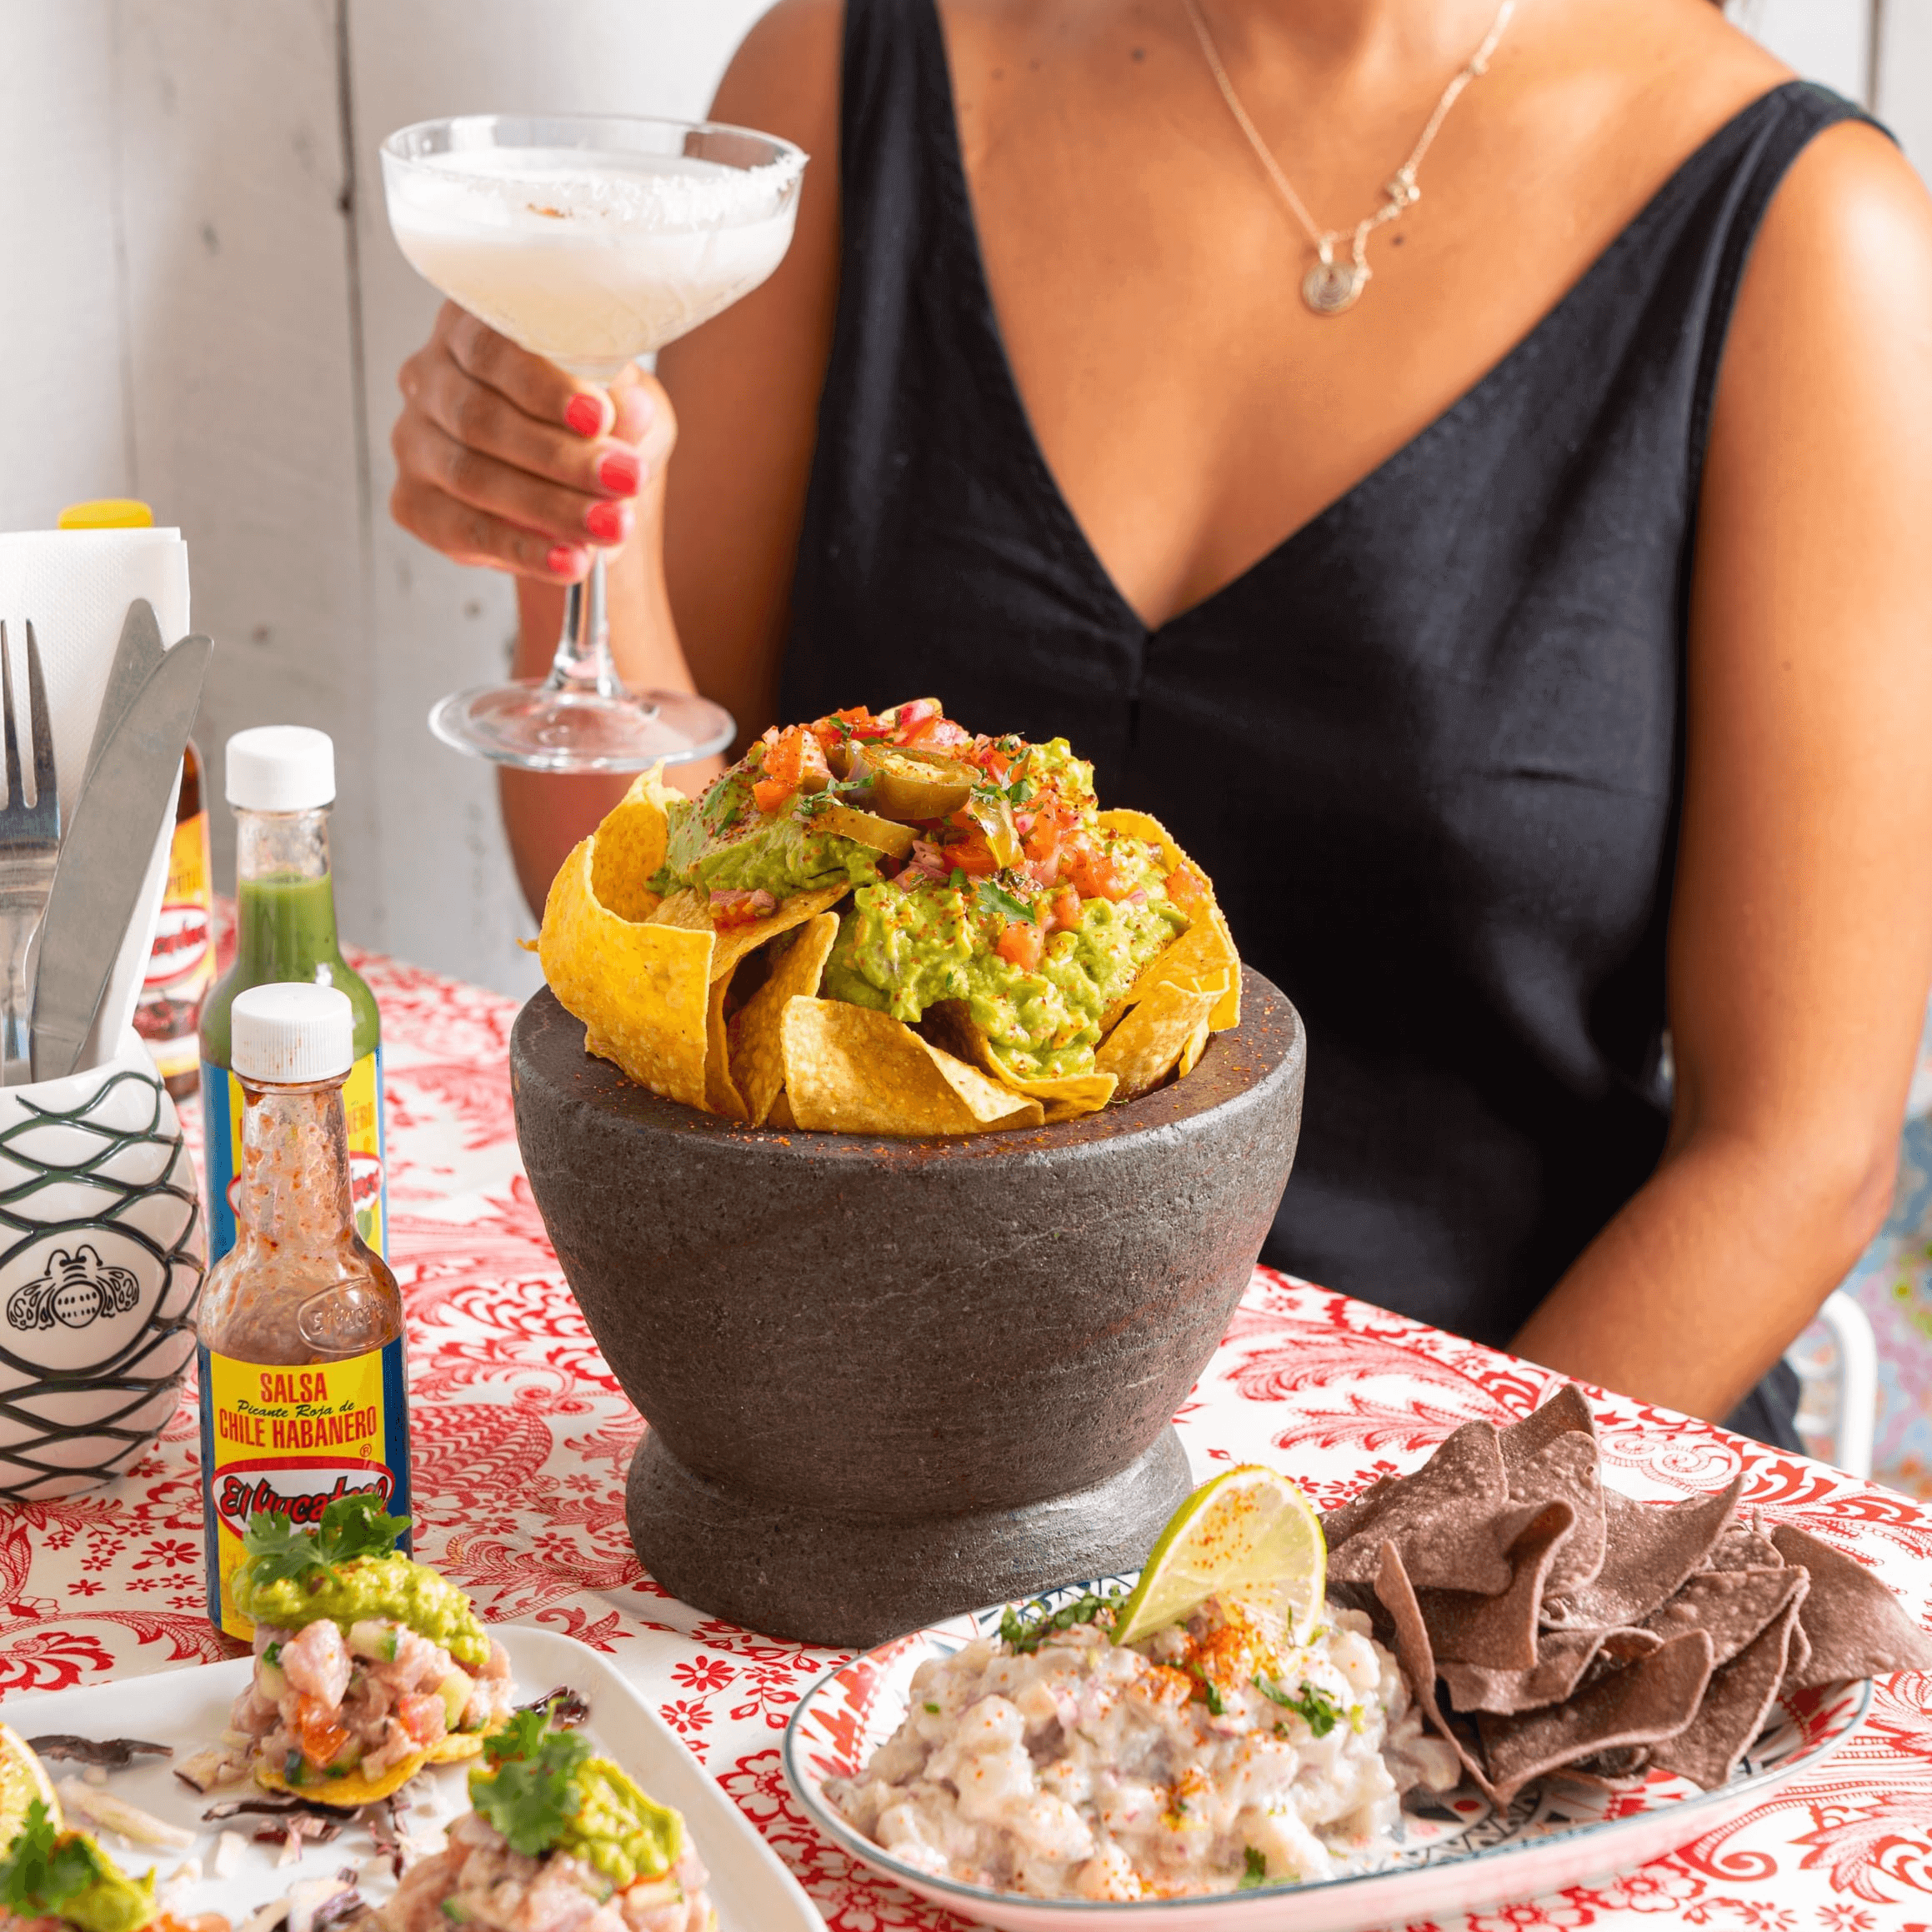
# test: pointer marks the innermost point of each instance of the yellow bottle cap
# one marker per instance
(108, 513)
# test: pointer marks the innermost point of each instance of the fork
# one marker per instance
(29, 844)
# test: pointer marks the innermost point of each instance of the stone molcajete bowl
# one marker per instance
(886, 1380)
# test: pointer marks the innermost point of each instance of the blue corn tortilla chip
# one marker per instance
(1644, 1703)
(1735, 1708)
(1498, 1632)
(1447, 1518)
(1854, 1623)
(1650, 1548)
(1735, 1606)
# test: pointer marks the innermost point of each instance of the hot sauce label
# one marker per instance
(287, 1441)
(181, 963)
(182, 960)
(362, 1106)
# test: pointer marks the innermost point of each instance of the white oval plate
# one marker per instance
(1456, 1855)
(752, 1890)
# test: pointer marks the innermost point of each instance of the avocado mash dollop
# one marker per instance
(726, 844)
(393, 1586)
(47, 1873)
(545, 1792)
(901, 952)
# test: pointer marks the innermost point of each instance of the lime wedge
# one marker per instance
(23, 1778)
(1250, 1533)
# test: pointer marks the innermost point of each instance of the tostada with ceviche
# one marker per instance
(369, 1665)
(883, 923)
(557, 1839)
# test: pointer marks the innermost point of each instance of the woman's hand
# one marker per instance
(504, 460)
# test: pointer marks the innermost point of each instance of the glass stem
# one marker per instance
(583, 663)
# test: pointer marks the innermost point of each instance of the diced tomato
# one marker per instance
(938, 735)
(1063, 911)
(426, 1719)
(854, 722)
(794, 759)
(1042, 846)
(991, 759)
(1019, 945)
(736, 907)
(968, 851)
(322, 1739)
(1186, 887)
(913, 716)
(1094, 874)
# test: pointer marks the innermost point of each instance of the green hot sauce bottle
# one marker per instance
(281, 781)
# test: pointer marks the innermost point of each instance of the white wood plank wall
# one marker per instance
(200, 305)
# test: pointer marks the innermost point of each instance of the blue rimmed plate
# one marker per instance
(1455, 1855)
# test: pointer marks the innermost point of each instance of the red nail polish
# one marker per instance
(584, 414)
(618, 472)
(605, 522)
(565, 560)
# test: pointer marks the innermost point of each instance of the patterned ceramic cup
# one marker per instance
(102, 1252)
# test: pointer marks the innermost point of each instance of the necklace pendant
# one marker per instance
(1330, 287)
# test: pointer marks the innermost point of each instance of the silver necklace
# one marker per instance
(1331, 286)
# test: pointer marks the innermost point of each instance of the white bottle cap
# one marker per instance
(289, 1034)
(281, 768)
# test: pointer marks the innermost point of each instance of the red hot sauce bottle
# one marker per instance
(303, 1389)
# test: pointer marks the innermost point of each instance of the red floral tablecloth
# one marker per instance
(522, 1436)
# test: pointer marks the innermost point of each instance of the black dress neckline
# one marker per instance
(1003, 384)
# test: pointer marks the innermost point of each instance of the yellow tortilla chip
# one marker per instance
(639, 988)
(1140, 825)
(1191, 1053)
(758, 1059)
(780, 1115)
(1064, 1096)
(351, 1792)
(1150, 1041)
(849, 1070)
(692, 911)
(721, 1094)
(454, 1746)
(1204, 956)
(630, 846)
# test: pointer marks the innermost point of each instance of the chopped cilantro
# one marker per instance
(272, 1655)
(934, 1708)
(1217, 1704)
(521, 1737)
(292, 1768)
(1315, 1707)
(351, 1526)
(958, 881)
(1022, 1628)
(1020, 790)
(1255, 1875)
(995, 899)
(42, 1867)
(530, 1799)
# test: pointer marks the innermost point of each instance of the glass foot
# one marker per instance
(538, 729)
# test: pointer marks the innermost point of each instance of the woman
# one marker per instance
(1535, 652)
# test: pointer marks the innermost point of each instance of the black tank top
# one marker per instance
(1430, 749)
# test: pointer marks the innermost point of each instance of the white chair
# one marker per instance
(1837, 1361)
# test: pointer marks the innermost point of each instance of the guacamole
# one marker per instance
(391, 1586)
(901, 952)
(85, 1887)
(727, 844)
(614, 1827)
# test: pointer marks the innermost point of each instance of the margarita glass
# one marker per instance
(591, 241)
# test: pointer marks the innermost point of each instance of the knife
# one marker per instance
(105, 855)
(139, 651)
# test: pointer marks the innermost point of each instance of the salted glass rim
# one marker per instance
(410, 146)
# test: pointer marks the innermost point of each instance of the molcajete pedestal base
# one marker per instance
(886, 1380)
